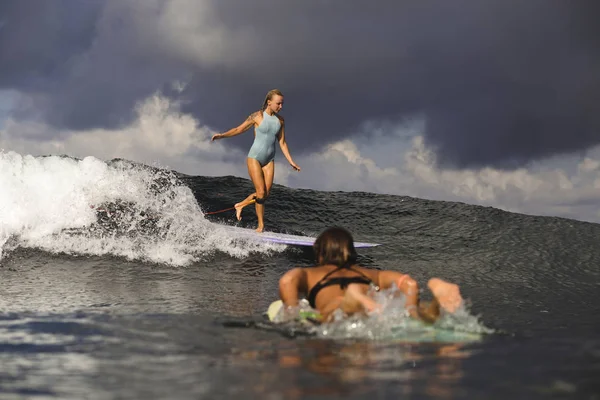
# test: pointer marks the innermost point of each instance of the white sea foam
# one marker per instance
(47, 203)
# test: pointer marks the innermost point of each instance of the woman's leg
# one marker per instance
(257, 176)
(239, 206)
(269, 174)
(251, 198)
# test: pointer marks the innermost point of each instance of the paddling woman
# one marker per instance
(338, 283)
(269, 127)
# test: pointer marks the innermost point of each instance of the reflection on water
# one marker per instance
(185, 356)
(320, 367)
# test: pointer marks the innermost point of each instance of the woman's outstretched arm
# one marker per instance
(243, 127)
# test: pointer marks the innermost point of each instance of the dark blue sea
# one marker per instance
(114, 284)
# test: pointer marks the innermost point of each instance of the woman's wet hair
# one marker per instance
(269, 96)
(335, 246)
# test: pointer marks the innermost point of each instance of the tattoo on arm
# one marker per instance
(252, 116)
(248, 123)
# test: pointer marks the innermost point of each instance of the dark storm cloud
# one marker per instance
(499, 82)
(38, 37)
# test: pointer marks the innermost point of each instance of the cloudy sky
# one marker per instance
(481, 101)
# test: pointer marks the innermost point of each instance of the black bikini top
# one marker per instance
(343, 281)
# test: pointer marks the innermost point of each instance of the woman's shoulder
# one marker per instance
(255, 114)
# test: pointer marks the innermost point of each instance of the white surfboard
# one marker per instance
(284, 238)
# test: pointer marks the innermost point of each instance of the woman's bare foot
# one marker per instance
(238, 211)
(260, 229)
(447, 294)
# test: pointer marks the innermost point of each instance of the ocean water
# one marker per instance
(115, 284)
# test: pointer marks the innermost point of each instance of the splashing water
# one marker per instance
(391, 322)
(61, 204)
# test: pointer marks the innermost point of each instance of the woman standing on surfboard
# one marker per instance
(338, 283)
(269, 127)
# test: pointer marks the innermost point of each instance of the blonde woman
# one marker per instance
(269, 128)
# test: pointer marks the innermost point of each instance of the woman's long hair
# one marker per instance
(269, 96)
(335, 246)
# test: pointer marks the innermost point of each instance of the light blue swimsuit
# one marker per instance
(263, 148)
